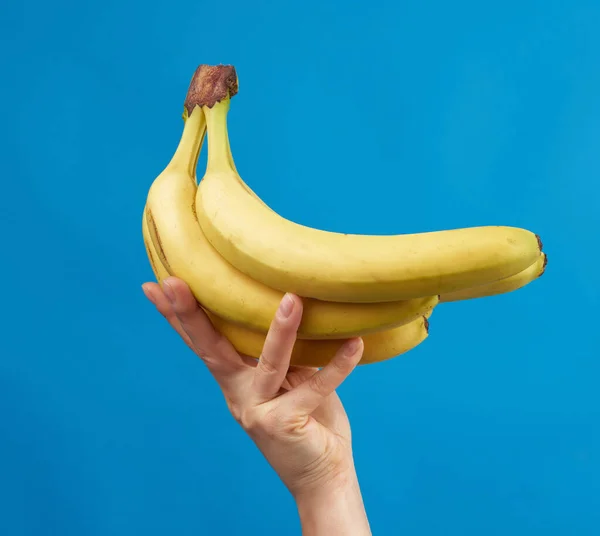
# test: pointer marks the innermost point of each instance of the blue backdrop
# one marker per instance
(375, 117)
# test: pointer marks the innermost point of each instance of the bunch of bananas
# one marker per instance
(239, 257)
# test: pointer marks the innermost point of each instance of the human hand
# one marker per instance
(292, 414)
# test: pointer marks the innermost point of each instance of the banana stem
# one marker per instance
(185, 158)
(219, 150)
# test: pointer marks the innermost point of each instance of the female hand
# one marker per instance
(292, 414)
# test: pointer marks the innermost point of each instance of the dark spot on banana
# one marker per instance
(152, 260)
(157, 242)
(544, 265)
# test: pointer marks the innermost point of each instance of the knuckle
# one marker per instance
(256, 421)
(205, 359)
(201, 352)
(209, 358)
(340, 366)
(266, 364)
(205, 343)
(249, 419)
(317, 383)
(270, 422)
(279, 330)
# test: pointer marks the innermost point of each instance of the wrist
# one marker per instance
(335, 508)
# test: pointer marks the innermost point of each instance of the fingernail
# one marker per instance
(168, 290)
(352, 347)
(148, 295)
(286, 306)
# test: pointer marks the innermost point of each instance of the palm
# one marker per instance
(329, 417)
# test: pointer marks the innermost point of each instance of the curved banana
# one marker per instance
(502, 286)
(341, 267)
(377, 346)
(223, 289)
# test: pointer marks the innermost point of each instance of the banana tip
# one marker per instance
(211, 84)
(544, 265)
(540, 243)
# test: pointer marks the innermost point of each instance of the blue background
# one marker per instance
(373, 117)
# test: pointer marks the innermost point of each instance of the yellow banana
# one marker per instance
(340, 267)
(223, 289)
(378, 346)
(502, 286)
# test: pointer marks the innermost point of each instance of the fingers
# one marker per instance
(309, 395)
(155, 294)
(191, 317)
(274, 361)
(297, 375)
(214, 349)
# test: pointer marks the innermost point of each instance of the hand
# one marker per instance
(292, 414)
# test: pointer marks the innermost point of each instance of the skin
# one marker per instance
(293, 415)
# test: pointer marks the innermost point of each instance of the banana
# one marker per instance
(378, 347)
(308, 353)
(223, 289)
(502, 286)
(341, 267)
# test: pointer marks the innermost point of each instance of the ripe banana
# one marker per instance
(223, 289)
(378, 346)
(502, 286)
(340, 267)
